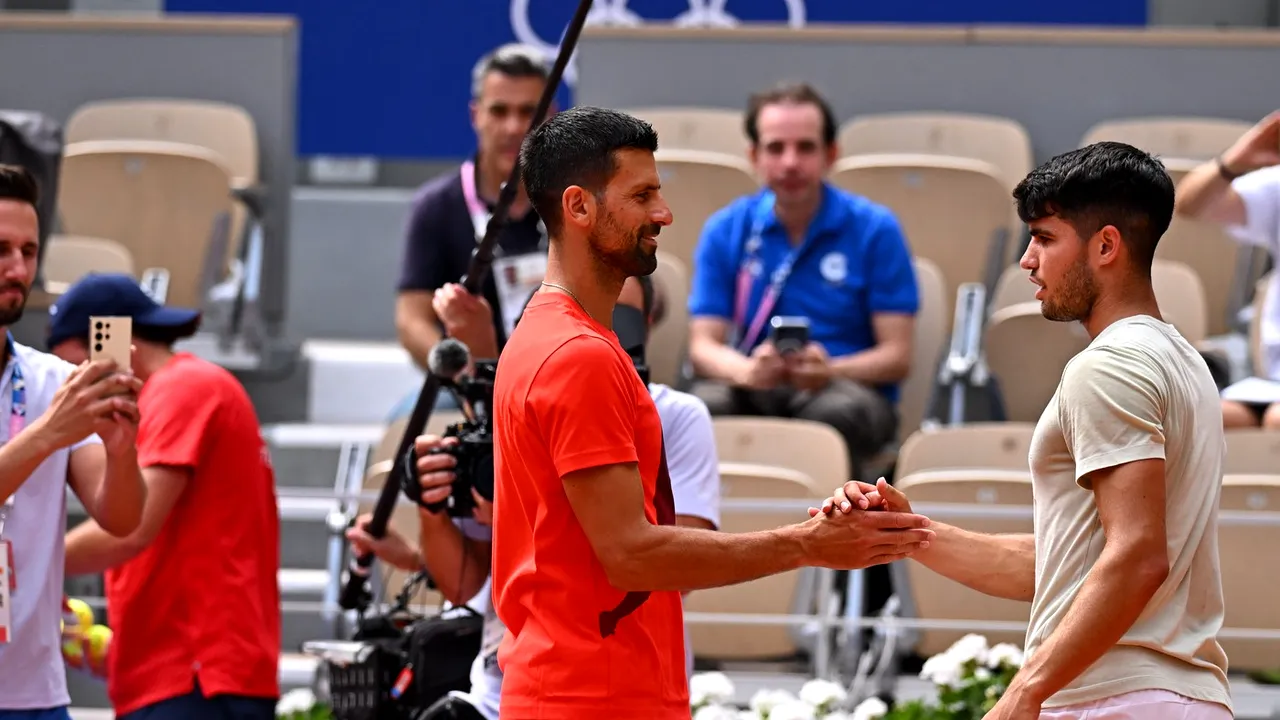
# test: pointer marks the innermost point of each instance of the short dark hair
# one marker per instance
(789, 93)
(513, 60)
(17, 183)
(1106, 183)
(576, 147)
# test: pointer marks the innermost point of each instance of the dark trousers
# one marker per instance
(195, 706)
(864, 418)
(451, 708)
(49, 714)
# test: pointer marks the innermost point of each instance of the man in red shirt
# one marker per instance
(588, 564)
(192, 594)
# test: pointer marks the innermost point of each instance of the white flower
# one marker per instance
(970, 647)
(943, 669)
(715, 712)
(840, 716)
(295, 701)
(764, 701)
(710, 688)
(870, 709)
(982, 674)
(1004, 654)
(822, 694)
(793, 710)
(748, 715)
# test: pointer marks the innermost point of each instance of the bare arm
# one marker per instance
(712, 357)
(1204, 194)
(608, 502)
(889, 360)
(416, 324)
(92, 550)
(457, 564)
(1130, 570)
(21, 457)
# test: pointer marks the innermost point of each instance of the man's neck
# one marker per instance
(1140, 299)
(148, 358)
(489, 183)
(591, 285)
(796, 217)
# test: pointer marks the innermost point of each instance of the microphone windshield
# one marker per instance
(448, 358)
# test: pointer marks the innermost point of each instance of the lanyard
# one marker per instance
(17, 414)
(750, 267)
(480, 215)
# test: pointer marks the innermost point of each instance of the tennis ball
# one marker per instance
(99, 637)
(81, 611)
(73, 652)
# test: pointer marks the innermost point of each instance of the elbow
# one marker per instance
(899, 367)
(624, 572)
(123, 525)
(1145, 567)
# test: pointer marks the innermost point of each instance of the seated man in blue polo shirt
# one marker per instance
(803, 248)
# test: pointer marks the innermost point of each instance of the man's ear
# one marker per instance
(1109, 240)
(577, 206)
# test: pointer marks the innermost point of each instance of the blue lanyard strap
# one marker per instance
(17, 412)
(750, 267)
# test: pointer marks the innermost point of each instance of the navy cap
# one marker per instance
(112, 294)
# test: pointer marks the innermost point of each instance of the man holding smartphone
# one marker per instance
(803, 296)
(67, 425)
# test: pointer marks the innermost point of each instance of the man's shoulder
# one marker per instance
(37, 364)
(1131, 349)
(868, 214)
(724, 221)
(441, 191)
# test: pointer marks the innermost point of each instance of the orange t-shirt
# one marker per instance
(203, 600)
(567, 398)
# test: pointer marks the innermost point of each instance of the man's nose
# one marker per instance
(1028, 261)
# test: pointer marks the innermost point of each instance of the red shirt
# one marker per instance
(204, 598)
(567, 398)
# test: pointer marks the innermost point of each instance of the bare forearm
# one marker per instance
(92, 550)
(877, 365)
(117, 505)
(1113, 595)
(482, 342)
(457, 565)
(1199, 190)
(417, 337)
(717, 361)
(21, 457)
(684, 559)
(998, 565)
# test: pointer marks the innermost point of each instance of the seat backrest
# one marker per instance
(695, 185)
(812, 448)
(1013, 287)
(71, 257)
(1003, 445)
(1249, 568)
(950, 208)
(926, 350)
(1212, 255)
(1027, 353)
(227, 130)
(715, 130)
(1002, 142)
(1195, 138)
(160, 200)
(1180, 294)
(1252, 450)
(669, 338)
(935, 597)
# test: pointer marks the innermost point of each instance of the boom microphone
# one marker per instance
(447, 359)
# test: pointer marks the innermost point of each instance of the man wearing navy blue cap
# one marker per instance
(193, 592)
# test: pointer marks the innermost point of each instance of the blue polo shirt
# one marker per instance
(854, 262)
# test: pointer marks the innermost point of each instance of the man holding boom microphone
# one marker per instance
(587, 563)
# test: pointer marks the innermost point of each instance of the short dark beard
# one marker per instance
(1075, 296)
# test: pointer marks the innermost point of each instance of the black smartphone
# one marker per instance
(789, 334)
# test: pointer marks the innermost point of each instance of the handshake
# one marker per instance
(862, 525)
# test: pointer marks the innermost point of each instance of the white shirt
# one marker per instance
(1260, 192)
(692, 463)
(32, 673)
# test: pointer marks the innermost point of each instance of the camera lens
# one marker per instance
(99, 325)
(97, 348)
(98, 336)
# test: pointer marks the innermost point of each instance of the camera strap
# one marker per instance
(749, 269)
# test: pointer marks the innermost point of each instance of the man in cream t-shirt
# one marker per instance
(1122, 570)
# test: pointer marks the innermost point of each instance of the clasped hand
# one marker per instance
(869, 529)
(97, 398)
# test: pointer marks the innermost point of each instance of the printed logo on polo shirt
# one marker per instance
(834, 268)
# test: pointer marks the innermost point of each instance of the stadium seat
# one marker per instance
(669, 339)
(927, 348)
(160, 200)
(1192, 138)
(1027, 353)
(714, 130)
(1252, 451)
(1249, 569)
(812, 448)
(71, 257)
(1002, 142)
(951, 209)
(696, 184)
(1000, 445)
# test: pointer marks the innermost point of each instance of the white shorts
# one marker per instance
(1141, 705)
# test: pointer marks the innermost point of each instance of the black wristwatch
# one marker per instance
(1224, 171)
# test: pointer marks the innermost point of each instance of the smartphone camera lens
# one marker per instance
(99, 325)
(97, 347)
(98, 336)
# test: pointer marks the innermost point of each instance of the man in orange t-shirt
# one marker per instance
(587, 562)
(193, 594)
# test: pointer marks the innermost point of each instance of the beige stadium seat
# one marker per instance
(1194, 138)
(930, 338)
(935, 597)
(812, 448)
(696, 184)
(780, 594)
(1013, 287)
(714, 130)
(1249, 569)
(1002, 142)
(669, 338)
(160, 200)
(1252, 451)
(950, 208)
(1027, 353)
(71, 257)
(1000, 445)
(440, 420)
(1256, 357)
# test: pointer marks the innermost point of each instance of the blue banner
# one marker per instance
(395, 82)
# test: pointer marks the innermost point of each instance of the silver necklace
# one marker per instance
(561, 287)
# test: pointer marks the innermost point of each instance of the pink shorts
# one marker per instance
(1141, 705)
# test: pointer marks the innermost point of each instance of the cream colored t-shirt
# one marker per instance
(1139, 391)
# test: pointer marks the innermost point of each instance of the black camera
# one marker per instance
(631, 327)
(473, 451)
